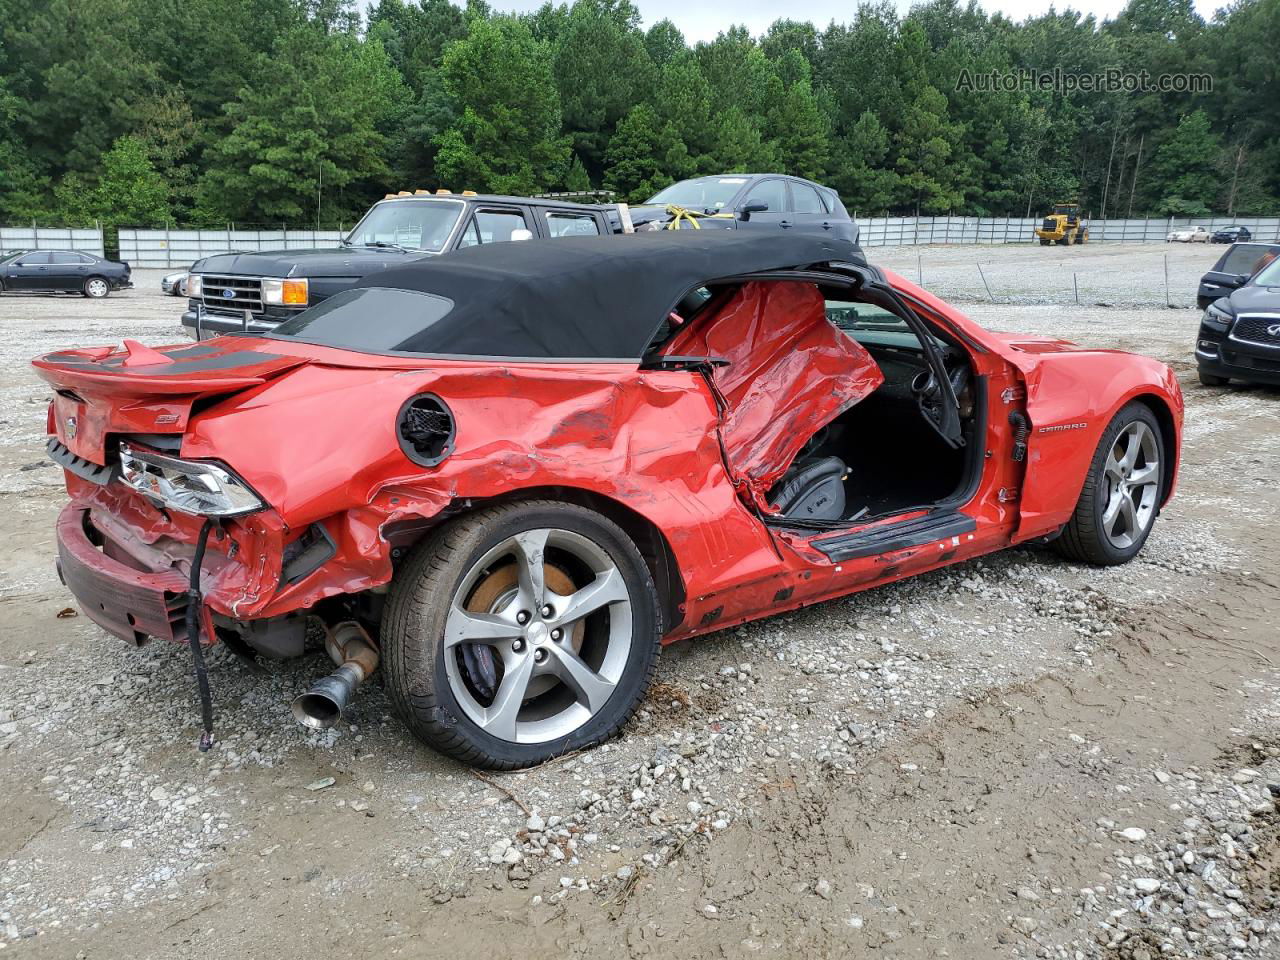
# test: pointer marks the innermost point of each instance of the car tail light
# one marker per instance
(189, 486)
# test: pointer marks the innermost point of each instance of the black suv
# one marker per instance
(1240, 334)
(1234, 269)
(255, 291)
(750, 201)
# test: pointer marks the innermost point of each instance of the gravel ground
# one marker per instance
(1014, 757)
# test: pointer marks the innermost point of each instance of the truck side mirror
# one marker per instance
(752, 206)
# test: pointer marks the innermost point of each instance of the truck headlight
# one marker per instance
(199, 488)
(286, 293)
(195, 285)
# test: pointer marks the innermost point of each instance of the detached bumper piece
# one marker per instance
(132, 604)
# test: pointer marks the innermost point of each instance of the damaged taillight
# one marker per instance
(196, 487)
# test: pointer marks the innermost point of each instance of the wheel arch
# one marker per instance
(649, 539)
(1161, 410)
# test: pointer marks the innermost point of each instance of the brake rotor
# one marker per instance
(492, 594)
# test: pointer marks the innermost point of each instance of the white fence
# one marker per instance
(180, 248)
(51, 238)
(166, 248)
(911, 231)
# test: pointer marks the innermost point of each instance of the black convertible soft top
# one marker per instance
(589, 298)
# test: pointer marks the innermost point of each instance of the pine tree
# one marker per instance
(129, 192)
(507, 138)
(309, 124)
(1183, 168)
(637, 162)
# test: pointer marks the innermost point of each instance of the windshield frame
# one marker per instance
(456, 201)
(740, 183)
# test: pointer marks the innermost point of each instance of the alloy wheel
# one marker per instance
(96, 288)
(1132, 475)
(538, 635)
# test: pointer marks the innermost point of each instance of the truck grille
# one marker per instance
(1263, 330)
(245, 293)
(1049, 224)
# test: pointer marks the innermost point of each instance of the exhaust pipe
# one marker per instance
(350, 647)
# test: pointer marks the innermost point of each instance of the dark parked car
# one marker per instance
(62, 271)
(1233, 270)
(234, 292)
(1231, 235)
(749, 201)
(1240, 334)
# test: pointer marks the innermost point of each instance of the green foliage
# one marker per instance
(254, 110)
(308, 126)
(1185, 165)
(507, 138)
(129, 191)
(638, 157)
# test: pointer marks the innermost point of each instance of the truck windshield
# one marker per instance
(410, 223)
(702, 193)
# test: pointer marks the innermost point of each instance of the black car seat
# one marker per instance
(812, 490)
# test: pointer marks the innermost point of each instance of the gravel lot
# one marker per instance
(1016, 757)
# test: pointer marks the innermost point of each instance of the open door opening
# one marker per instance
(838, 404)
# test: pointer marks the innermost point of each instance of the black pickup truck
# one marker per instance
(255, 291)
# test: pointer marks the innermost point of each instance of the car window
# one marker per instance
(1268, 270)
(65, 258)
(414, 224)
(702, 193)
(1246, 258)
(772, 192)
(33, 259)
(380, 319)
(492, 226)
(806, 199)
(854, 317)
(572, 225)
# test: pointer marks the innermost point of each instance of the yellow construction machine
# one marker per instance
(1064, 226)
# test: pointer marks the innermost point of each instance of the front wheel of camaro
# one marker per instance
(1121, 495)
(520, 633)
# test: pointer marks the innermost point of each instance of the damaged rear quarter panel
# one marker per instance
(320, 444)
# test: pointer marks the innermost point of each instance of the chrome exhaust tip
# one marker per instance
(323, 704)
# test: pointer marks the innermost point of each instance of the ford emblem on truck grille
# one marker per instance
(228, 294)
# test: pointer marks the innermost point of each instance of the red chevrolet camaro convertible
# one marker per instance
(504, 478)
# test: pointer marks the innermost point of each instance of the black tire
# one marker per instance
(1044, 242)
(413, 658)
(1213, 380)
(96, 288)
(1083, 539)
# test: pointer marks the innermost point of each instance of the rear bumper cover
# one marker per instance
(134, 605)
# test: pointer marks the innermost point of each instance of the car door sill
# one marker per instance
(896, 536)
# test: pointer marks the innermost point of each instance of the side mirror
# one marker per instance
(521, 234)
(752, 206)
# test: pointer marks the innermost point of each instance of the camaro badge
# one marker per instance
(72, 424)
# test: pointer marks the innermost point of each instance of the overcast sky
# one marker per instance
(703, 19)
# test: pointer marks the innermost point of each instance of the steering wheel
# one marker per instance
(928, 393)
